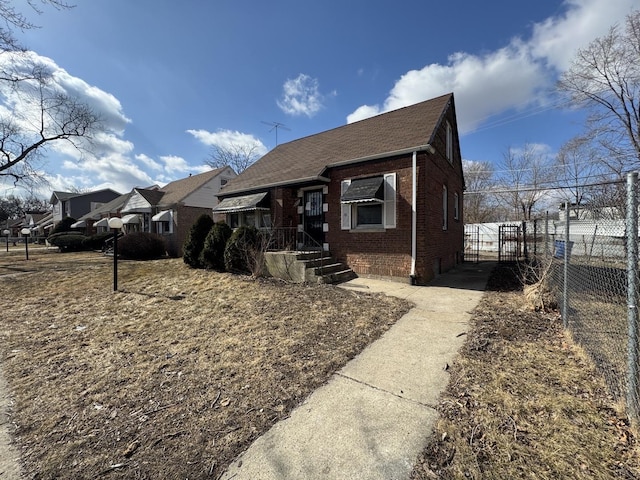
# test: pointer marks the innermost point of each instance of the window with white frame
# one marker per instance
(445, 208)
(369, 203)
(256, 218)
(163, 222)
(449, 142)
(456, 206)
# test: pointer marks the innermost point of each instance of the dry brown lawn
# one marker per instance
(172, 376)
(524, 401)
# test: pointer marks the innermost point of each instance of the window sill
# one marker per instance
(369, 229)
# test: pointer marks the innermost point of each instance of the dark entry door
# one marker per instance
(313, 218)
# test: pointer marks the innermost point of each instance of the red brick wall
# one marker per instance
(380, 253)
(284, 211)
(388, 252)
(183, 219)
(442, 249)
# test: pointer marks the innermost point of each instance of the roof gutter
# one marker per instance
(427, 147)
(420, 148)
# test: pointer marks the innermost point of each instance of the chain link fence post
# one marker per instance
(565, 285)
(632, 295)
(546, 236)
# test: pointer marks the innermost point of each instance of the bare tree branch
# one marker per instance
(237, 156)
(605, 79)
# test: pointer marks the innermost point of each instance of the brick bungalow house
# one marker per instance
(383, 195)
(75, 205)
(168, 211)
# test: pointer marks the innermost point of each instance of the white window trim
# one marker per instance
(348, 211)
(345, 208)
(456, 206)
(445, 208)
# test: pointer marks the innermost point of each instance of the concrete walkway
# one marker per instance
(372, 419)
(9, 458)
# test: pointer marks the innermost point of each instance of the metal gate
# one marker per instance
(509, 243)
(471, 243)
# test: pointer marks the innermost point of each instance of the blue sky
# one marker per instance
(171, 79)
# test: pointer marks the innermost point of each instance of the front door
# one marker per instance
(313, 219)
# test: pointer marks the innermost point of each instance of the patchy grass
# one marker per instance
(172, 376)
(525, 402)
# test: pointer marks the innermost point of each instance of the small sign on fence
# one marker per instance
(559, 249)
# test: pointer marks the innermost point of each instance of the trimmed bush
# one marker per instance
(96, 242)
(141, 246)
(212, 255)
(68, 241)
(63, 225)
(242, 249)
(194, 243)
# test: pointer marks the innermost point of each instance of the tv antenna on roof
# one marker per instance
(275, 126)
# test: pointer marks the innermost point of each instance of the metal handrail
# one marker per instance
(289, 234)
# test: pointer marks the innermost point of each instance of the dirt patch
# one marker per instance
(525, 402)
(174, 375)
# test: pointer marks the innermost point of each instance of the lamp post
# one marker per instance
(26, 232)
(115, 224)
(6, 234)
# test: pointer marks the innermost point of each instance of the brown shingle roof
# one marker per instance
(308, 157)
(177, 191)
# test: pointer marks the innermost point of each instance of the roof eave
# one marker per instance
(316, 178)
(419, 148)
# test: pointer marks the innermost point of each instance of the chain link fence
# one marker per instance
(591, 266)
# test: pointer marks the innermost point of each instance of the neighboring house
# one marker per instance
(171, 210)
(96, 221)
(168, 211)
(39, 223)
(384, 194)
(75, 205)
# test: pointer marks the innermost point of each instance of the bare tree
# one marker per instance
(49, 117)
(13, 207)
(605, 79)
(580, 169)
(522, 180)
(238, 156)
(478, 201)
(14, 19)
(38, 114)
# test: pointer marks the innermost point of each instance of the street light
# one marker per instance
(6, 233)
(115, 224)
(26, 232)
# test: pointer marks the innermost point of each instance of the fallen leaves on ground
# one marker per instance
(173, 375)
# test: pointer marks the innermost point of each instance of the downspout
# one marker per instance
(414, 217)
(414, 210)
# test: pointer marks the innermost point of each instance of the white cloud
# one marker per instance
(301, 96)
(362, 112)
(107, 160)
(174, 163)
(556, 40)
(515, 77)
(228, 139)
(148, 162)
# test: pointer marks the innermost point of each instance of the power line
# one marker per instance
(532, 189)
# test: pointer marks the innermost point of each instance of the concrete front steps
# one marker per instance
(311, 267)
(321, 267)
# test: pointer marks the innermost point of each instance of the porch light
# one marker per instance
(115, 224)
(6, 234)
(26, 232)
